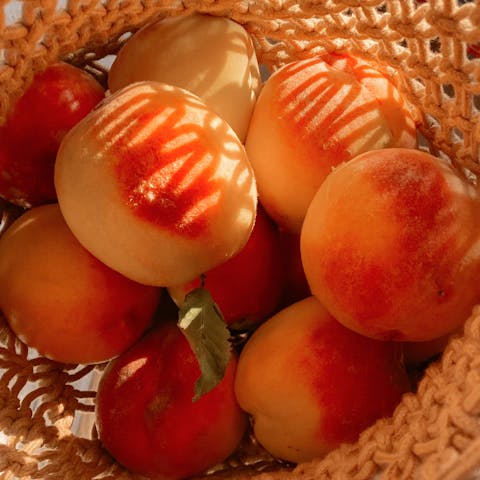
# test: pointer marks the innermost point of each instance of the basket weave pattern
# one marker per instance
(429, 48)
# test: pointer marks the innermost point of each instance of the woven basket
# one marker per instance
(430, 48)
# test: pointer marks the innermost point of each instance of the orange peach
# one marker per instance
(312, 116)
(390, 245)
(146, 417)
(60, 300)
(311, 384)
(393, 107)
(156, 185)
(248, 287)
(210, 56)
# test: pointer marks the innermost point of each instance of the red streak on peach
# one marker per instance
(317, 91)
(146, 190)
(363, 288)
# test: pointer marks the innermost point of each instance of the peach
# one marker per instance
(311, 384)
(212, 57)
(145, 415)
(60, 300)
(58, 98)
(310, 117)
(248, 287)
(390, 245)
(156, 185)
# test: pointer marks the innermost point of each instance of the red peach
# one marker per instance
(311, 384)
(145, 415)
(58, 98)
(390, 245)
(248, 287)
(60, 300)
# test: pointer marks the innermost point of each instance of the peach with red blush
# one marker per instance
(145, 415)
(156, 185)
(391, 245)
(312, 115)
(310, 384)
(56, 100)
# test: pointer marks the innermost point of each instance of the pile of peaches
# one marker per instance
(193, 202)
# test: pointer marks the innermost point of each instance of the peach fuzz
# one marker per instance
(310, 117)
(60, 300)
(390, 245)
(311, 384)
(156, 185)
(210, 56)
(248, 287)
(145, 415)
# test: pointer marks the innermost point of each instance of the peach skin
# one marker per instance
(56, 100)
(156, 185)
(60, 300)
(390, 245)
(311, 384)
(145, 415)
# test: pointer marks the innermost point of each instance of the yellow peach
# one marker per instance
(210, 56)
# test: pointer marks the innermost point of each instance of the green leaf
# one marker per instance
(202, 323)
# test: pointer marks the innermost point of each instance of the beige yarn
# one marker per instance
(427, 47)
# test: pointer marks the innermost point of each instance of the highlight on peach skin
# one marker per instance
(166, 178)
(145, 415)
(60, 300)
(311, 384)
(248, 287)
(390, 245)
(313, 114)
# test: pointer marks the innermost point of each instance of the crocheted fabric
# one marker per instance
(431, 49)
